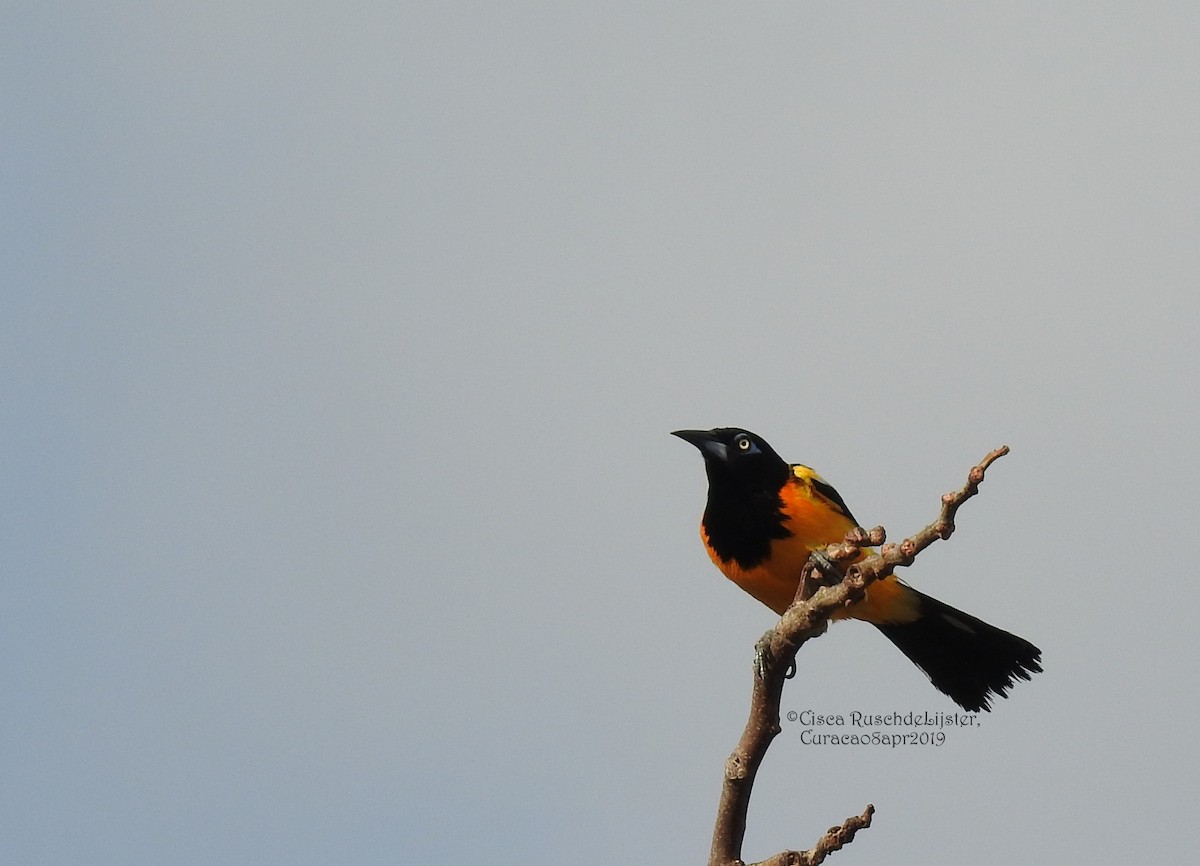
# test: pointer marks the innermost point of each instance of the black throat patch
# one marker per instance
(741, 523)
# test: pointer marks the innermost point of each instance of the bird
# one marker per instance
(765, 517)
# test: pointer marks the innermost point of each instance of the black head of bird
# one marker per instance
(736, 459)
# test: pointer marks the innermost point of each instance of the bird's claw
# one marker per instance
(763, 660)
(825, 566)
(762, 655)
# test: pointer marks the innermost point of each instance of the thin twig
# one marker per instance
(833, 840)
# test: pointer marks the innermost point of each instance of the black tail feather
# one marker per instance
(963, 656)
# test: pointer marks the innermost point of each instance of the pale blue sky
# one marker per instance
(341, 346)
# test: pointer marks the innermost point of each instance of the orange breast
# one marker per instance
(814, 523)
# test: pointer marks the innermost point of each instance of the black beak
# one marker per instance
(709, 445)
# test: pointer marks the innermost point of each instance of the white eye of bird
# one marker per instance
(743, 443)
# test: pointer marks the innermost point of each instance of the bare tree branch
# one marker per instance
(832, 841)
(776, 651)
